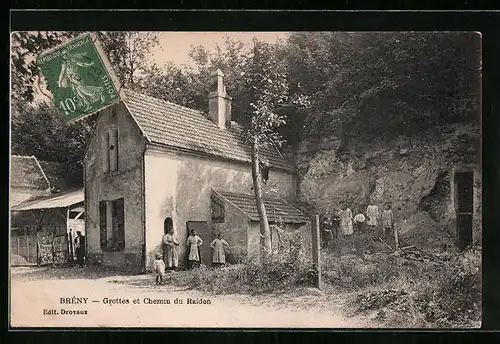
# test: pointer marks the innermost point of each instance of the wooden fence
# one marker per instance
(48, 246)
(24, 244)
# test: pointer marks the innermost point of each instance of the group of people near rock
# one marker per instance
(344, 223)
(169, 259)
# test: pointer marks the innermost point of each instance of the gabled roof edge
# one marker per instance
(43, 172)
(143, 132)
(234, 205)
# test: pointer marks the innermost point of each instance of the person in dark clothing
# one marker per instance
(80, 248)
(326, 231)
(335, 225)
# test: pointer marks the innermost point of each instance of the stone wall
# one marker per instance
(414, 174)
(234, 231)
(124, 183)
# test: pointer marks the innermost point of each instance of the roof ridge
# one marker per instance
(272, 198)
(23, 156)
(162, 100)
(238, 126)
(50, 162)
(203, 119)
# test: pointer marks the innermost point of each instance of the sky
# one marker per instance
(175, 46)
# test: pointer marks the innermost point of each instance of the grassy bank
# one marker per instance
(402, 292)
(393, 289)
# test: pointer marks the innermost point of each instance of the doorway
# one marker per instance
(464, 207)
(168, 224)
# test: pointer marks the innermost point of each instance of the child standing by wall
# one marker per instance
(159, 268)
(387, 220)
(219, 247)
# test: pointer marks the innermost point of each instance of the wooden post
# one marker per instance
(315, 250)
(396, 238)
(70, 245)
(68, 237)
(53, 247)
(27, 243)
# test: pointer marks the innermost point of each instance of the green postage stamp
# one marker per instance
(77, 77)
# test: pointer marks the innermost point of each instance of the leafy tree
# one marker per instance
(266, 83)
(127, 52)
(25, 46)
(230, 57)
(363, 85)
(187, 85)
(174, 84)
(40, 130)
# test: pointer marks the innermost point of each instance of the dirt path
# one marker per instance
(30, 296)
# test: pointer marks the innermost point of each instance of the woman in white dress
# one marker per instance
(194, 242)
(373, 214)
(346, 221)
(170, 243)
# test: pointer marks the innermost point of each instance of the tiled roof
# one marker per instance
(63, 200)
(275, 207)
(26, 172)
(177, 126)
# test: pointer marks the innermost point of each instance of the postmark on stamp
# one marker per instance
(77, 77)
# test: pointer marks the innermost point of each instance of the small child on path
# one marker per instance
(159, 268)
(359, 222)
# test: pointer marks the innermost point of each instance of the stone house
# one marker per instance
(152, 164)
(235, 216)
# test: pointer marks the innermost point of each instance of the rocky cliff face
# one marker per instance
(414, 174)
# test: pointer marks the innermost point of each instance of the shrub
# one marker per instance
(459, 290)
(416, 294)
(354, 272)
(282, 270)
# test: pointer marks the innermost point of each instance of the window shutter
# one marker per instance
(103, 224)
(119, 217)
(106, 152)
(116, 150)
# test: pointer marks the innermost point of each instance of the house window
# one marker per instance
(218, 212)
(111, 150)
(112, 221)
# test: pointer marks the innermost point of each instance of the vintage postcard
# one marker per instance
(245, 179)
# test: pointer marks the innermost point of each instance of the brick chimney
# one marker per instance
(219, 103)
